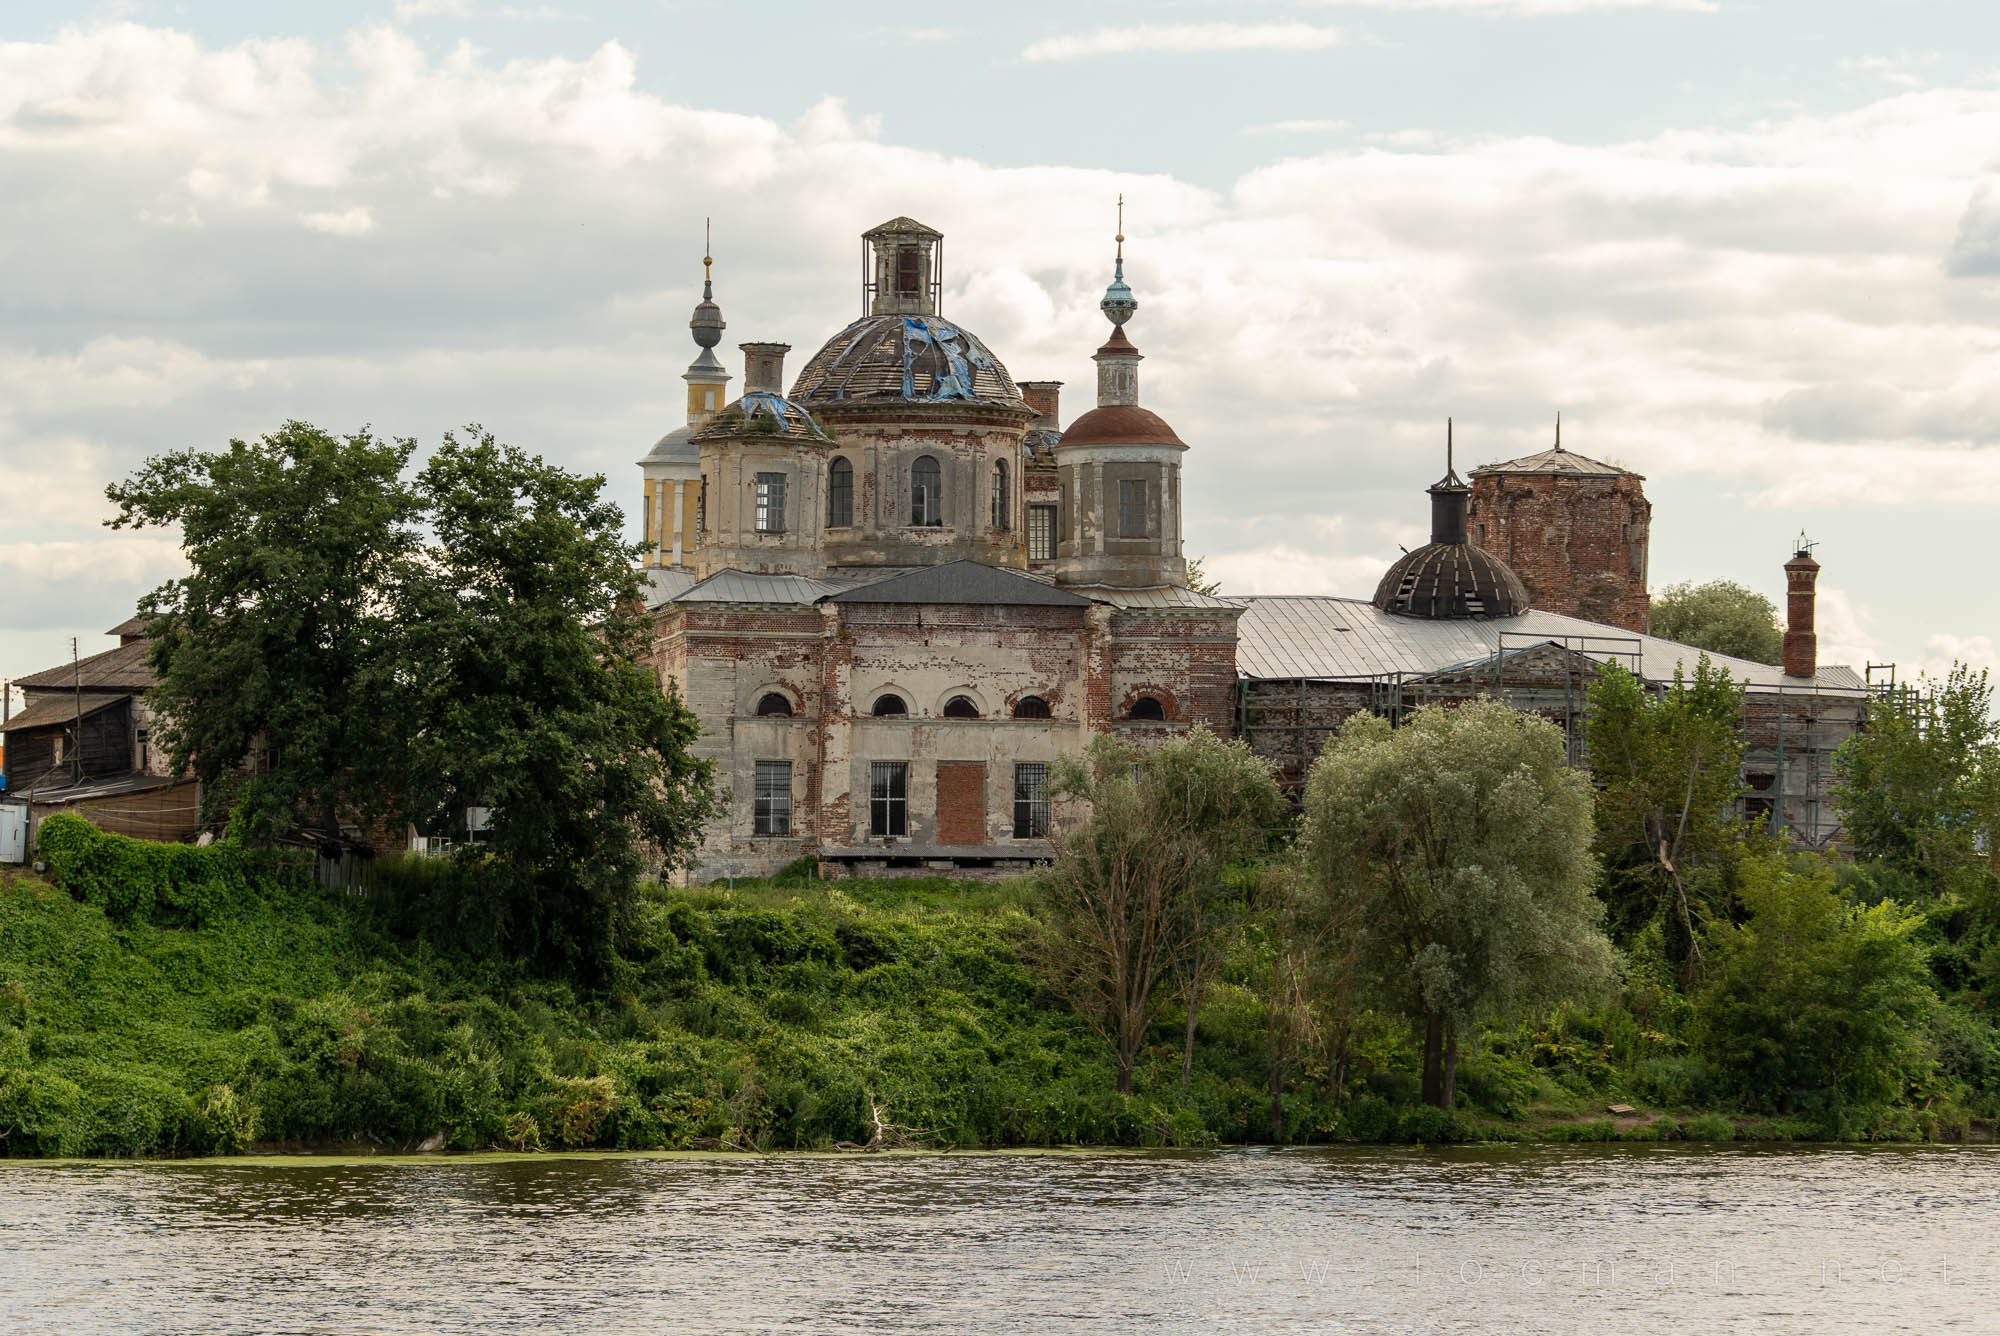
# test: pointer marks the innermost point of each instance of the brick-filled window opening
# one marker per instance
(770, 503)
(888, 798)
(1031, 800)
(1000, 498)
(926, 488)
(774, 798)
(1131, 507)
(1041, 533)
(839, 494)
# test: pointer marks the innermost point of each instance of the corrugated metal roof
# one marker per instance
(123, 668)
(61, 708)
(1308, 636)
(733, 586)
(962, 582)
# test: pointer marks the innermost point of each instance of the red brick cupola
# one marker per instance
(1801, 642)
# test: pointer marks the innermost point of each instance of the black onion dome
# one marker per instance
(1450, 580)
(916, 358)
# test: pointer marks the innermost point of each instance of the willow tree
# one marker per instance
(1459, 846)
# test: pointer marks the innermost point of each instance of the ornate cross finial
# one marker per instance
(1121, 227)
(1805, 546)
(707, 250)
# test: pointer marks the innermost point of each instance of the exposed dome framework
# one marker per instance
(915, 358)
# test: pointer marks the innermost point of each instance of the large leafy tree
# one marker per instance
(275, 653)
(1721, 617)
(523, 652)
(1919, 787)
(1668, 772)
(1813, 1004)
(1459, 846)
(1138, 899)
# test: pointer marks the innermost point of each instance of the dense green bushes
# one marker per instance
(175, 885)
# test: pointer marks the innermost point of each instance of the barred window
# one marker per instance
(1041, 533)
(1131, 507)
(1000, 497)
(1031, 800)
(770, 503)
(774, 798)
(839, 494)
(888, 798)
(925, 488)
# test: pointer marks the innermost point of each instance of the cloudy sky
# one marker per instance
(1749, 249)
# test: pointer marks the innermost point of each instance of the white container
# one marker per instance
(13, 833)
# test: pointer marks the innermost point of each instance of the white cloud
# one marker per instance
(1525, 8)
(1184, 38)
(1295, 127)
(1792, 321)
(354, 222)
(1976, 652)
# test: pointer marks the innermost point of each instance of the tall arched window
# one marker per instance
(839, 494)
(925, 492)
(1000, 494)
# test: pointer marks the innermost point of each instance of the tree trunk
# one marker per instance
(1450, 1068)
(1433, 1089)
(1277, 1103)
(1187, 1043)
(1125, 1062)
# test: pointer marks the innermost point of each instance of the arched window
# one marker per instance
(889, 705)
(1147, 708)
(926, 490)
(1031, 707)
(774, 705)
(839, 494)
(960, 707)
(1000, 494)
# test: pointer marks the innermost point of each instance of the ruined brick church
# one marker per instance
(897, 592)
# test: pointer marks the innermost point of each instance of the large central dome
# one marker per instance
(915, 358)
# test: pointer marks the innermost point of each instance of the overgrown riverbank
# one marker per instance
(770, 1017)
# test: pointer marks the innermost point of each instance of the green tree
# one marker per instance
(1460, 844)
(1198, 579)
(1668, 769)
(1138, 900)
(274, 654)
(1722, 617)
(523, 648)
(1812, 1004)
(1919, 787)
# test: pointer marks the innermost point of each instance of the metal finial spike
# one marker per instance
(1449, 468)
(1559, 429)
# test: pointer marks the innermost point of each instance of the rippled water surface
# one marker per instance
(1546, 1240)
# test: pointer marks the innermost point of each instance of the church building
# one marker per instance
(897, 591)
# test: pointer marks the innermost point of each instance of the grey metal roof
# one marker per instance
(1163, 596)
(962, 582)
(676, 447)
(1557, 461)
(732, 586)
(1309, 636)
(665, 582)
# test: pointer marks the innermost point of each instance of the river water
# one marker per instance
(1571, 1239)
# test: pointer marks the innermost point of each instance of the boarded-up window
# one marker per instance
(839, 494)
(1132, 508)
(888, 798)
(1031, 800)
(961, 805)
(774, 798)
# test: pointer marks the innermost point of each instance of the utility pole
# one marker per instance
(76, 683)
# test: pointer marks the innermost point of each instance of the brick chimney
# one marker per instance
(1801, 643)
(1045, 397)
(764, 367)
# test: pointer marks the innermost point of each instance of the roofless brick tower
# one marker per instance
(1574, 529)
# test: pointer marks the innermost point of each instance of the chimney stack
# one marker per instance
(1801, 643)
(1045, 397)
(764, 367)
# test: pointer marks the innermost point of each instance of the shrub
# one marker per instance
(226, 1123)
(1709, 1127)
(578, 1108)
(1600, 1129)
